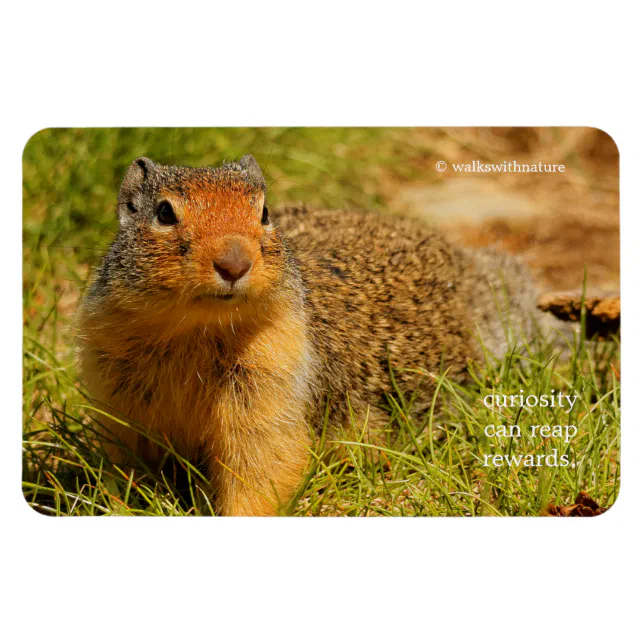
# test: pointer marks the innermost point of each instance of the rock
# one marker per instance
(602, 311)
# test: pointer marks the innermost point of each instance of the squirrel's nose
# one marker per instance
(233, 265)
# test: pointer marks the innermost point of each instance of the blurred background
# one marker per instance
(558, 223)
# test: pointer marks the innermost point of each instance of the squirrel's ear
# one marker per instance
(254, 173)
(131, 188)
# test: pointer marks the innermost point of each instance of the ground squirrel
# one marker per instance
(232, 330)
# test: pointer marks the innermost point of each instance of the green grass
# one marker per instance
(430, 468)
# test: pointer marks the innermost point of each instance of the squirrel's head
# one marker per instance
(199, 237)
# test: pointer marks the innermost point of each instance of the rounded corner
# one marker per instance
(610, 507)
(607, 135)
(30, 508)
(32, 137)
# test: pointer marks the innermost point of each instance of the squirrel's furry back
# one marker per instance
(389, 296)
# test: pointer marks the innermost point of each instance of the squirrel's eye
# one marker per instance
(165, 214)
(265, 216)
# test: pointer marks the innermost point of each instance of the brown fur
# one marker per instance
(321, 318)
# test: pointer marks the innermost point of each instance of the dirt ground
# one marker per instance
(558, 223)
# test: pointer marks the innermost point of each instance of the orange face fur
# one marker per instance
(199, 244)
(211, 224)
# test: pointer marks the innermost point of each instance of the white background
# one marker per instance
(176, 64)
